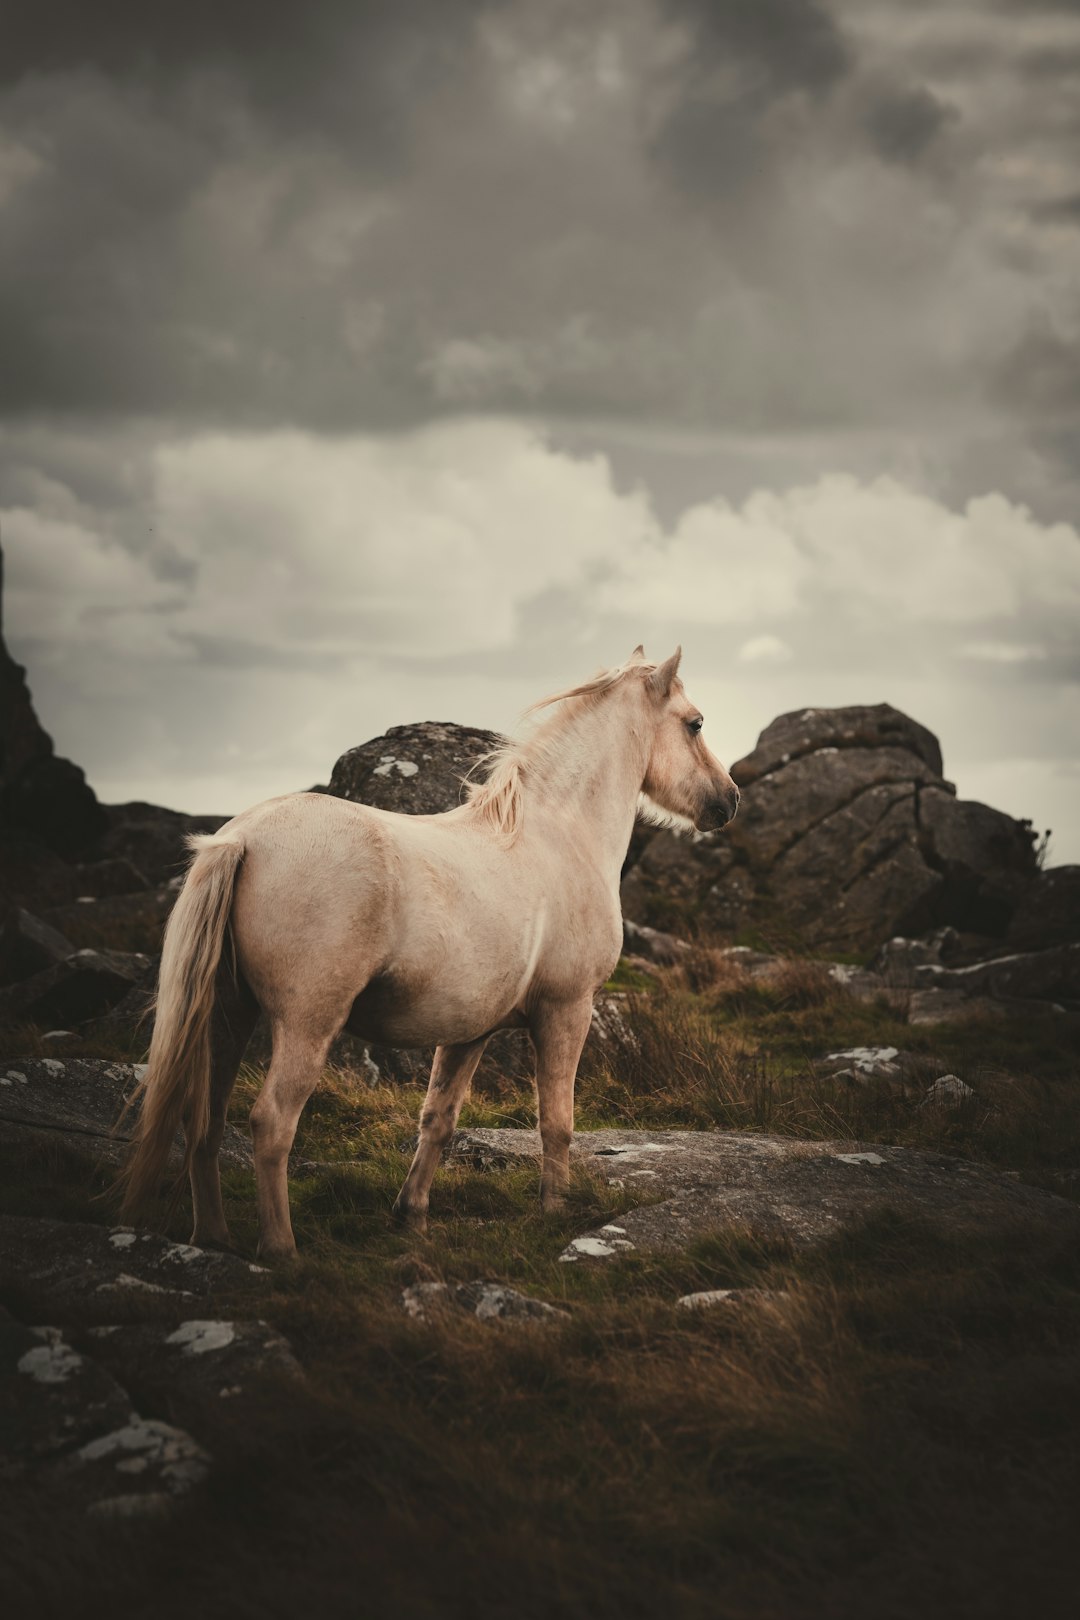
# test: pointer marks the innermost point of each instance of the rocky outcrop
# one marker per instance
(774, 1186)
(1049, 911)
(81, 1102)
(80, 987)
(41, 794)
(846, 835)
(67, 1421)
(417, 769)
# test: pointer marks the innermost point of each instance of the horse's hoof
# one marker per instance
(413, 1220)
(220, 1244)
(276, 1256)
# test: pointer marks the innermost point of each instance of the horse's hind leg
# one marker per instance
(295, 1071)
(235, 1012)
(451, 1075)
(558, 1032)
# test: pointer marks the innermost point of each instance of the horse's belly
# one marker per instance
(390, 1014)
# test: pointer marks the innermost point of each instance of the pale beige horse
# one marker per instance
(414, 931)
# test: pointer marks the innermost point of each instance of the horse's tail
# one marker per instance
(176, 1085)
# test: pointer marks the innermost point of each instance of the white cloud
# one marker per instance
(334, 587)
(422, 545)
(880, 552)
(764, 650)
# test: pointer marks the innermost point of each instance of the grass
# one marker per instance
(891, 1429)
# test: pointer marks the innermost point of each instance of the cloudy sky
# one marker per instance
(378, 360)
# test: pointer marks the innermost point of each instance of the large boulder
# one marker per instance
(418, 769)
(28, 946)
(75, 989)
(1049, 911)
(847, 834)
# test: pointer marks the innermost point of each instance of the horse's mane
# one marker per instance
(497, 800)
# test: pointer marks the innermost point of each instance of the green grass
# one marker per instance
(895, 1433)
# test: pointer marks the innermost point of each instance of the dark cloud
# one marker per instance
(739, 62)
(350, 68)
(903, 125)
(791, 44)
(1063, 210)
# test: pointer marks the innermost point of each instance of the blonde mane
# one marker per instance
(498, 799)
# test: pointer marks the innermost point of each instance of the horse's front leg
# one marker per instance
(451, 1076)
(558, 1033)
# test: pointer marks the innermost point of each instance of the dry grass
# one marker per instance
(895, 1434)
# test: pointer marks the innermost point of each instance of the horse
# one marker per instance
(414, 931)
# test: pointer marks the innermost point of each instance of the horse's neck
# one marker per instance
(592, 779)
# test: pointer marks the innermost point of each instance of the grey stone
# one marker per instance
(82, 1100)
(773, 1186)
(69, 1425)
(82, 986)
(487, 1300)
(847, 835)
(1050, 975)
(28, 946)
(112, 876)
(1049, 911)
(152, 838)
(69, 1263)
(948, 1091)
(709, 1298)
(652, 944)
(807, 731)
(417, 769)
(218, 1357)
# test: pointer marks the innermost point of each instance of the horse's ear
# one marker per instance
(659, 682)
(638, 652)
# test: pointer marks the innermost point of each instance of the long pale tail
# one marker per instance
(176, 1086)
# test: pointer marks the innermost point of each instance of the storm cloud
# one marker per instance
(427, 349)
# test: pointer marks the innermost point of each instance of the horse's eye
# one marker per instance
(696, 723)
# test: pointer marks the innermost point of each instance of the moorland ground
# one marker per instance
(895, 1432)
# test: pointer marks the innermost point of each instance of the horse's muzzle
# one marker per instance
(719, 811)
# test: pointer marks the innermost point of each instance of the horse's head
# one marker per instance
(682, 776)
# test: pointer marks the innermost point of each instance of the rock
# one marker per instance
(69, 1264)
(220, 1358)
(1051, 975)
(81, 1101)
(31, 875)
(847, 835)
(652, 945)
(41, 794)
(134, 922)
(488, 1301)
(952, 1007)
(807, 731)
(151, 839)
(52, 1399)
(775, 1187)
(68, 1425)
(416, 769)
(707, 1298)
(1049, 911)
(948, 1091)
(986, 859)
(28, 946)
(865, 1063)
(82, 986)
(103, 879)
